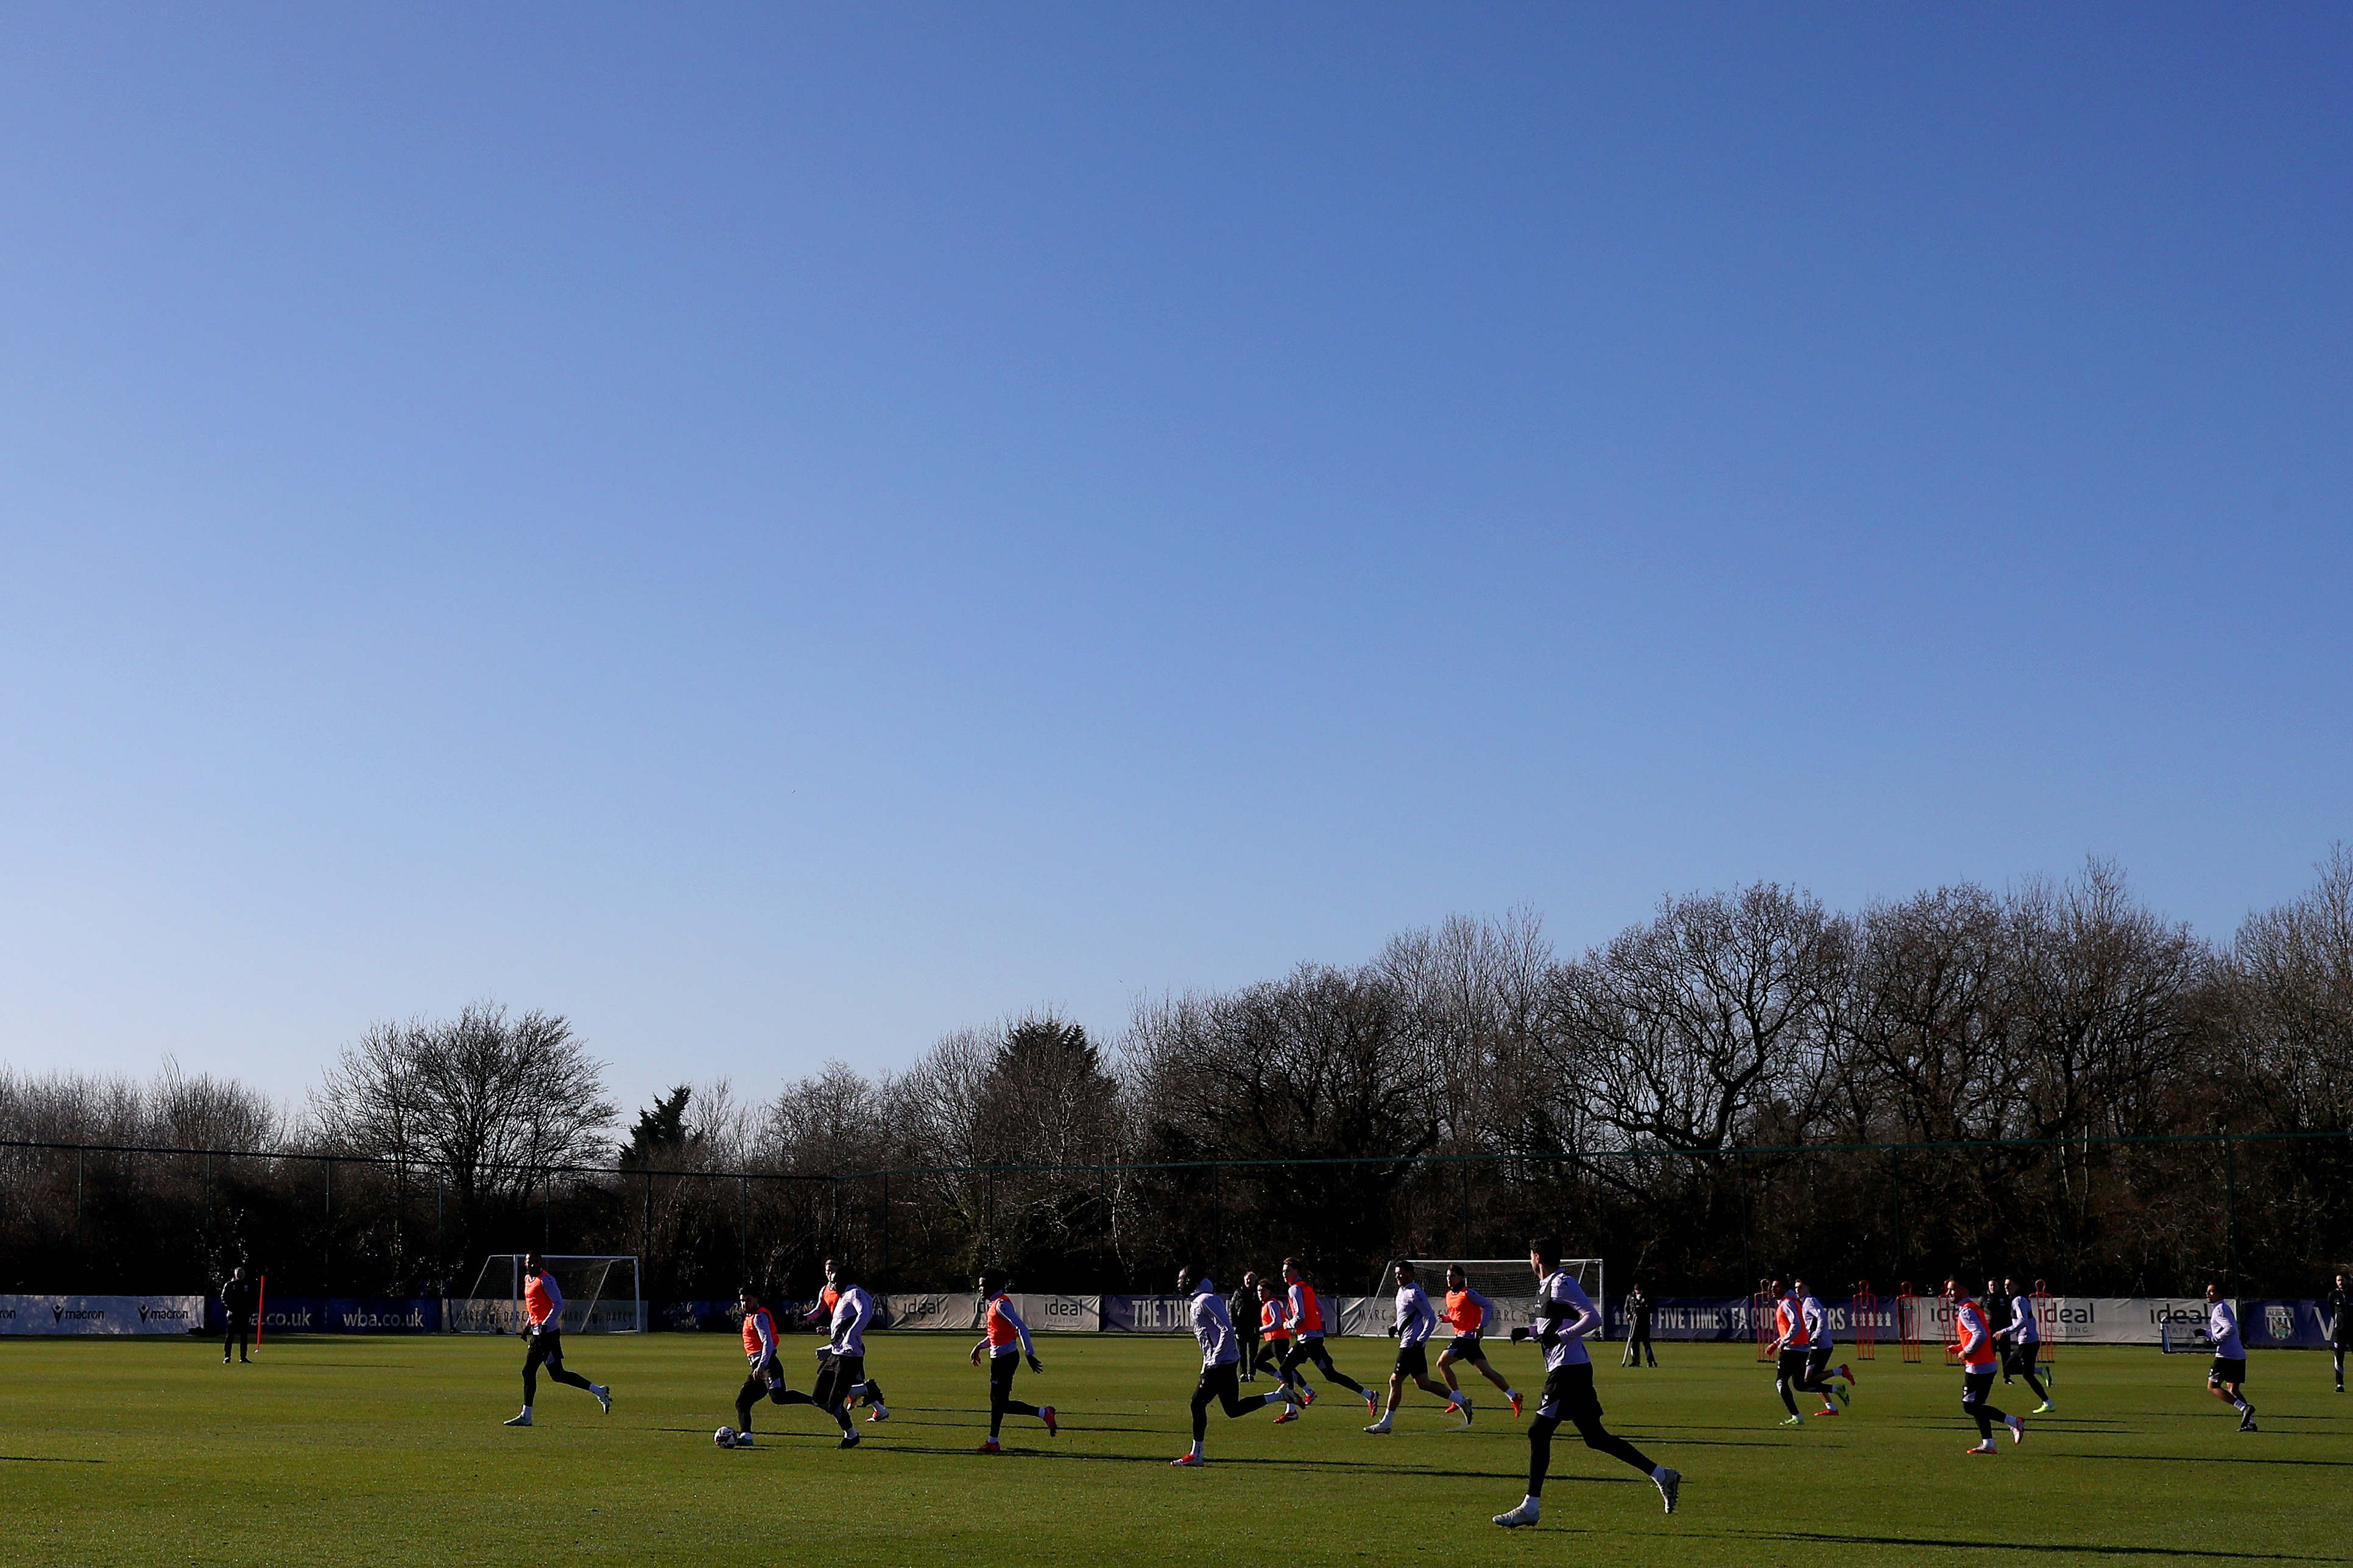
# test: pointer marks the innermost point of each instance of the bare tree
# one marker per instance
(496, 1100)
(2290, 982)
(1692, 1028)
(1929, 1021)
(2109, 1002)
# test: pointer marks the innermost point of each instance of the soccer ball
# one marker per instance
(724, 1436)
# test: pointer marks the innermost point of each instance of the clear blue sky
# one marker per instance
(778, 534)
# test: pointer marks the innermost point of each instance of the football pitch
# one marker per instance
(334, 1451)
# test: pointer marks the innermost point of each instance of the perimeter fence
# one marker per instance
(2261, 1214)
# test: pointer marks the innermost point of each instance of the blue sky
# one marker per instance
(780, 532)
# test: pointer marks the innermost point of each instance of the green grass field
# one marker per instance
(377, 1451)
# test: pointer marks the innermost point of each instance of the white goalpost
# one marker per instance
(1509, 1283)
(601, 1295)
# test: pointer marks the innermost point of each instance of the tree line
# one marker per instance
(2047, 1081)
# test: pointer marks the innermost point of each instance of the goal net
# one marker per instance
(1508, 1282)
(600, 1295)
(2177, 1338)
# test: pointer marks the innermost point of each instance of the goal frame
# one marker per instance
(507, 1317)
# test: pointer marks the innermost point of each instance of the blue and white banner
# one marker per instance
(345, 1315)
(101, 1314)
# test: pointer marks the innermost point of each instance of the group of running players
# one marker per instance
(1290, 1330)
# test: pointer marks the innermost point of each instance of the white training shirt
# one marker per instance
(850, 1316)
(2223, 1328)
(1817, 1322)
(1415, 1316)
(2023, 1330)
(1567, 1348)
(1213, 1327)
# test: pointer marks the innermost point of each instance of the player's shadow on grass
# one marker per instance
(1343, 1466)
(1980, 1543)
(44, 1460)
(2213, 1459)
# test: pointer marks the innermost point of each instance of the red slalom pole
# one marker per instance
(260, 1307)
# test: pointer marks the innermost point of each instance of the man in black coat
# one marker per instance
(236, 1315)
(1242, 1307)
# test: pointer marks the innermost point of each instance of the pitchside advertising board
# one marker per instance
(101, 1314)
(2064, 1320)
(960, 1310)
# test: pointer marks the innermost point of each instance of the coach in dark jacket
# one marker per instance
(236, 1315)
(1242, 1308)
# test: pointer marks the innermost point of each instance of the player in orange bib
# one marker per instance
(1980, 1360)
(1306, 1321)
(1273, 1339)
(543, 1306)
(767, 1376)
(1468, 1312)
(1004, 1338)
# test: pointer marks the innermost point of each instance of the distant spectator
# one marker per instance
(1242, 1307)
(236, 1315)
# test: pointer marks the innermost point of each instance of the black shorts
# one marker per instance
(1464, 1347)
(1569, 1393)
(842, 1373)
(1218, 1382)
(1000, 1374)
(1790, 1366)
(2228, 1369)
(1412, 1360)
(546, 1349)
(1976, 1386)
(1817, 1363)
(1308, 1348)
(2022, 1357)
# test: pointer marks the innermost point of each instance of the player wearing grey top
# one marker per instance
(1416, 1319)
(2227, 1379)
(1221, 1355)
(1564, 1315)
(2022, 1340)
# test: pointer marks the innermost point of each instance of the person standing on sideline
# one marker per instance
(1638, 1330)
(2340, 1328)
(1416, 1321)
(236, 1315)
(1469, 1311)
(542, 1303)
(1005, 1337)
(1221, 1352)
(1565, 1314)
(1979, 1362)
(2024, 1344)
(1242, 1308)
(2227, 1378)
(1820, 1344)
(1306, 1321)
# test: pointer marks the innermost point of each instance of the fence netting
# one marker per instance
(2266, 1215)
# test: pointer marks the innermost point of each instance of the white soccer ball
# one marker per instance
(724, 1436)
